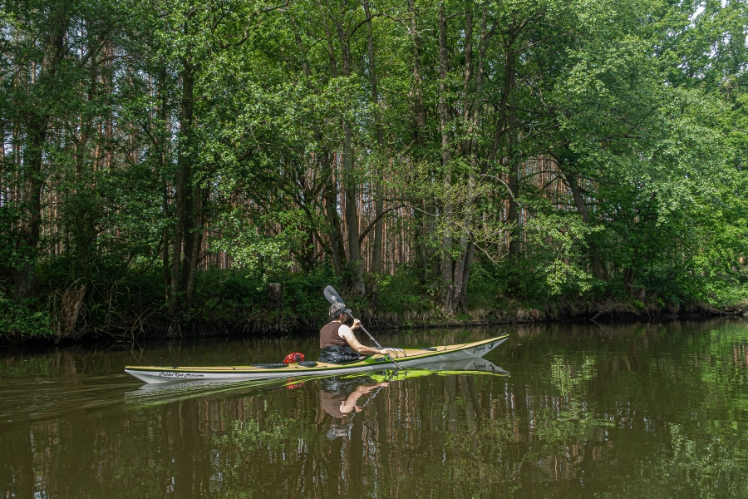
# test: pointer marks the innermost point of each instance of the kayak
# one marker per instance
(409, 357)
(153, 394)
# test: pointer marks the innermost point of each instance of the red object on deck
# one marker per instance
(294, 357)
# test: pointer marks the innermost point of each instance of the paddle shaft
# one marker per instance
(361, 326)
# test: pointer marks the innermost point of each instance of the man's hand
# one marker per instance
(356, 323)
(387, 351)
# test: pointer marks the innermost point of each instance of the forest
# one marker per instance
(171, 167)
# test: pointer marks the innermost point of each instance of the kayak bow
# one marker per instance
(408, 357)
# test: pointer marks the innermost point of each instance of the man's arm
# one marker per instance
(350, 403)
(347, 334)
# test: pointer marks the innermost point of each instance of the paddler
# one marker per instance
(337, 343)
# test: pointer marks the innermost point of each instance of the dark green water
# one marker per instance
(588, 411)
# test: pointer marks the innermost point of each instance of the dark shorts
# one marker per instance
(338, 354)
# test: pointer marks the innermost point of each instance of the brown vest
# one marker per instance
(328, 335)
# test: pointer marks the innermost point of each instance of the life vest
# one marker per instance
(328, 336)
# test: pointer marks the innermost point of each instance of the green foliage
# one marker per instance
(261, 255)
(485, 291)
(24, 319)
(402, 292)
(564, 150)
(555, 243)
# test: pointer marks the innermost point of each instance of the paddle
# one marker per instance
(333, 297)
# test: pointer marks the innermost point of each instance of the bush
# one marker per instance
(403, 292)
(24, 319)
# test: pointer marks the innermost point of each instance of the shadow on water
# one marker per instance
(588, 411)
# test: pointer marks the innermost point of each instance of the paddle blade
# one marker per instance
(332, 295)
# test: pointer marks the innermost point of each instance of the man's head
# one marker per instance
(338, 309)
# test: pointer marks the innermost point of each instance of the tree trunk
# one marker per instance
(471, 116)
(350, 181)
(419, 110)
(36, 133)
(461, 300)
(598, 266)
(200, 197)
(422, 223)
(468, 68)
(513, 214)
(419, 222)
(628, 278)
(447, 287)
(188, 233)
(506, 123)
(183, 189)
(337, 248)
(351, 215)
(330, 195)
(161, 144)
(177, 248)
(165, 249)
(376, 257)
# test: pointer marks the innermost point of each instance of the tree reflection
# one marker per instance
(644, 411)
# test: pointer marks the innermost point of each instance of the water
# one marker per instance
(587, 411)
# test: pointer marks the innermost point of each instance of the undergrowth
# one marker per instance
(130, 299)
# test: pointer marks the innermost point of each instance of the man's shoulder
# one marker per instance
(344, 330)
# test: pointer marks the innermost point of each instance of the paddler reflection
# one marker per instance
(341, 399)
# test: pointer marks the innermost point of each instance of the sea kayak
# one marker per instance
(405, 358)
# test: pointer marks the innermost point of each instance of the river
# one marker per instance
(638, 410)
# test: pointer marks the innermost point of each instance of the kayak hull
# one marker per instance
(409, 358)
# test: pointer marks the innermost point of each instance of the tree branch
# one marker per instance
(374, 222)
(361, 24)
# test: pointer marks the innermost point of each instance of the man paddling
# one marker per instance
(337, 343)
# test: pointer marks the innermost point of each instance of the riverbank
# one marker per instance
(271, 323)
(605, 311)
(229, 303)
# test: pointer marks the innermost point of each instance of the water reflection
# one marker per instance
(339, 398)
(635, 410)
